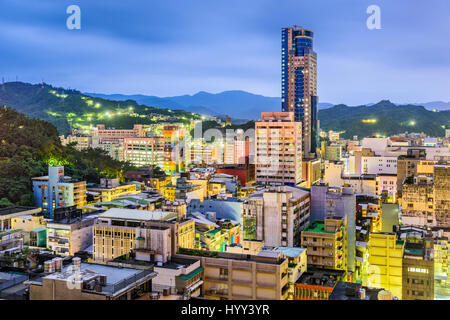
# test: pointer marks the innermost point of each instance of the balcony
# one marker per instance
(243, 281)
(216, 292)
(217, 278)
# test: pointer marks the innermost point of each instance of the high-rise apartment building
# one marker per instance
(299, 82)
(276, 216)
(144, 151)
(278, 149)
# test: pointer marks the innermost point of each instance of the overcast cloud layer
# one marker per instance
(169, 47)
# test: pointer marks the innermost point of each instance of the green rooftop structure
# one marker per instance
(316, 226)
(192, 274)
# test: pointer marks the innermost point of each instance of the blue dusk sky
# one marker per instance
(168, 47)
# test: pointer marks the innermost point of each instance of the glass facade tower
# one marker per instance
(299, 83)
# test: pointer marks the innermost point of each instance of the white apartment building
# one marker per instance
(278, 149)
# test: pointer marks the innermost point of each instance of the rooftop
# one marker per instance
(317, 227)
(320, 277)
(117, 278)
(140, 215)
(18, 209)
(274, 259)
(351, 291)
(291, 252)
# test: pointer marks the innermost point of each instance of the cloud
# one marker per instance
(170, 48)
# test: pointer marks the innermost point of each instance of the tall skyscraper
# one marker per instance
(299, 83)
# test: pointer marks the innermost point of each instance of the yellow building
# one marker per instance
(186, 234)
(441, 250)
(182, 190)
(175, 206)
(373, 211)
(158, 183)
(231, 234)
(426, 167)
(247, 247)
(213, 240)
(311, 172)
(111, 193)
(385, 262)
(200, 182)
(216, 187)
(168, 191)
(28, 223)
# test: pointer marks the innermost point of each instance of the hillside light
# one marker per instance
(412, 123)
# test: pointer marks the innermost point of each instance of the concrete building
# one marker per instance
(407, 165)
(278, 149)
(229, 208)
(426, 201)
(81, 142)
(233, 276)
(442, 195)
(276, 216)
(9, 214)
(117, 135)
(311, 172)
(340, 202)
(70, 231)
(317, 284)
(142, 151)
(179, 276)
(326, 242)
(110, 189)
(379, 165)
(297, 265)
(183, 190)
(418, 267)
(57, 190)
(333, 152)
(353, 291)
(387, 186)
(89, 281)
(114, 149)
(118, 231)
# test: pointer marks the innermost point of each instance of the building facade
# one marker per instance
(56, 190)
(299, 83)
(278, 149)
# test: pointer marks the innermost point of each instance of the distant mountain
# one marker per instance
(68, 109)
(383, 118)
(236, 104)
(437, 105)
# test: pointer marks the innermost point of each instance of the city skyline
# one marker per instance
(194, 198)
(356, 65)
